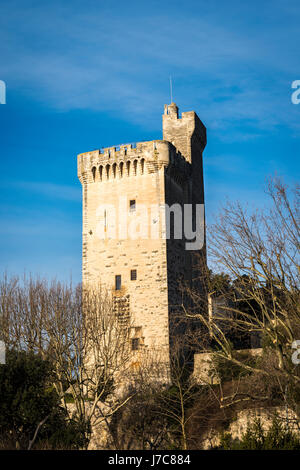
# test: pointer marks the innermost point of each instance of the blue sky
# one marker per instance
(86, 74)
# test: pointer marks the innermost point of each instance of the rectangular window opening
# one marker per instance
(133, 275)
(135, 342)
(118, 282)
(132, 205)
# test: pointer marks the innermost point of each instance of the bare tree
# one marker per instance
(175, 401)
(159, 415)
(259, 251)
(83, 335)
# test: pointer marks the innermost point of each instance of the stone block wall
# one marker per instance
(151, 174)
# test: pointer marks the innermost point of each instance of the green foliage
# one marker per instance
(63, 433)
(256, 438)
(69, 398)
(27, 398)
(219, 283)
(226, 442)
(227, 370)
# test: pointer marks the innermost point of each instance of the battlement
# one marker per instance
(184, 132)
(128, 160)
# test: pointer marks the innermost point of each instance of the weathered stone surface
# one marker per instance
(238, 427)
(158, 172)
(203, 366)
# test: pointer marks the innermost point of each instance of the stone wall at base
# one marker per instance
(238, 427)
(203, 366)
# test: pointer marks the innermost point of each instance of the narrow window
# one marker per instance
(118, 282)
(107, 171)
(121, 169)
(135, 344)
(132, 205)
(133, 275)
(94, 173)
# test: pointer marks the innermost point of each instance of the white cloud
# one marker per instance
(93, 58)
(50, 190)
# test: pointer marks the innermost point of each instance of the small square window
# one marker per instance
(132, 205)
(118, 282)
(135, 342)
(133, 275)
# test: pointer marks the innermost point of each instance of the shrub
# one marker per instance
(29, 403)
(256, 438)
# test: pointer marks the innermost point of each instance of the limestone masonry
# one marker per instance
(143, 272)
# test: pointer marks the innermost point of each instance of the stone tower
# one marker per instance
(129, 245)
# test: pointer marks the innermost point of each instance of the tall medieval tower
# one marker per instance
(128, 243)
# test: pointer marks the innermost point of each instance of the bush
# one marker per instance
(227, 370)
(256, 438)
(27, 399)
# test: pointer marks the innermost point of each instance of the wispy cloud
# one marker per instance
(49, 190)
(90, 58)
(86, 73)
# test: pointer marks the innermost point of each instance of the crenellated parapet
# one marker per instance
(187, 133)
(130, 160)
